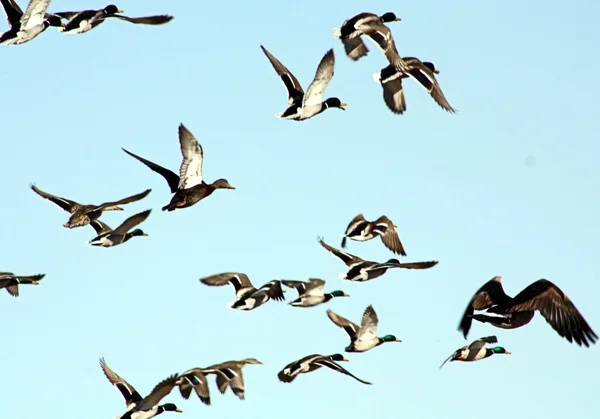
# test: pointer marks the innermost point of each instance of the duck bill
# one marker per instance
(342, 106)
(507, 353)
(230, 187)
(398, 340)
(178, 410)
(345, 295)
(120, 11)
(344, 359)
(436, 71)
(397, 19)
(34, 282)
(145, 234)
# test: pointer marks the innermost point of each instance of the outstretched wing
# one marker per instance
(476, 345)
(64, 203)
(130, 394)
(99, 227)
(158, 393)
(355, 48)
(348, 258)
(132, 221)
(34, 14)
(323, 75)
(336, 367)
(190, 172)
(146, 20)
(351, 328)
(129, 199)
(13, 12)
(171, 178)
(240, 281)
(290, 82)
(368, 325)
(425, 77)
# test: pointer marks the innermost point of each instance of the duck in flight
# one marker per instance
(476, 351)
(248, 297)
(363, 270)
(351, 29)
(107, 237)
(11, 281)
(363, 337)
(359, 229)
(302, 105)
(82, 215)
(422, 72)
(138, 407)
(507, 312)
(229, 375)
(312, 363)
(311, 293)
(85, 20)
(26, 26)
(189, 187)
(373, 27)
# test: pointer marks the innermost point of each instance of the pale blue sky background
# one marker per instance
(523, 76)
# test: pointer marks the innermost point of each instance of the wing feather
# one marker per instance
(190, 172)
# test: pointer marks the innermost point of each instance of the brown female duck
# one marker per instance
(82, 215)
(188, 187)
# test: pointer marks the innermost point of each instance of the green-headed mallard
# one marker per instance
(85, 20)
(82, 215)
(352, 28)
(510, 313)
(312, 363)
(229, 374)
(107, 237)
(302, 105)
(194, 379)
(476, 351)
(189, 187)
(372, 26)
(26, 26)
(11, 281)
(359, 229)
(311, 293)
(248, 297)
(422, 72)
(364, 270)
(138, 407)
(363, 337)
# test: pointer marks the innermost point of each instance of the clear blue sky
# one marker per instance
(523, 77)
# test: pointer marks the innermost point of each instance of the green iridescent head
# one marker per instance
(499, 350)
(137, 232)
(338, 293)
(390, 338)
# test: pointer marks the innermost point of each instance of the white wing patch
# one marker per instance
(34, 15)
(190, 172)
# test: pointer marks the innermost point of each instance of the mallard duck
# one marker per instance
(311, 293)
(107, 237)
(372, 26)
(85, 20)
(362, 230)
(424, 74)
(82, 215)
(196, 379)
(189, 187)
(229, 374)
(364, 270)
(510, 313)
(302, 105)
(248, 297)
(26, 26)
(312, 363)
(363, 337)
(11, 281)
(476, 351)
(138, 407)
(351, 30)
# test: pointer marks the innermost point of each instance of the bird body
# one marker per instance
(194, 379)
(311, 293)
(312, 363)
(107, 237)
(360, 229)
(229, 375)
(11, 281)
(476, 351)
(26, 26)
(248, 297)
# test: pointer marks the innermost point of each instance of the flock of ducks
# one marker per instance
(188, 188)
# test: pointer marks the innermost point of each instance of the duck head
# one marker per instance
(499, 350)
(137, 232)
(111, 9)
(251, 361)
(390, 338)
(170, 407)
(339, 293)
(431, 66)
(334, 102)
(393, 260)
(56, 21)
(222, 184)
(389, 17)
(337, 357)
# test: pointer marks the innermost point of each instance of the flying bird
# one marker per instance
(510, 313)
(194, 379)
(229, 375)
(311, 293)
(422, 72)
(85, 20)
(107, 237)
(189, 187)
(359, 229)
(476, 351)
(26, 26)
(364, 270)
(11, 281)
(363, 337)
(302, 105)
(82, 215)
(138, 407)
(312, 363)
(352, 28)
(248, 297)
